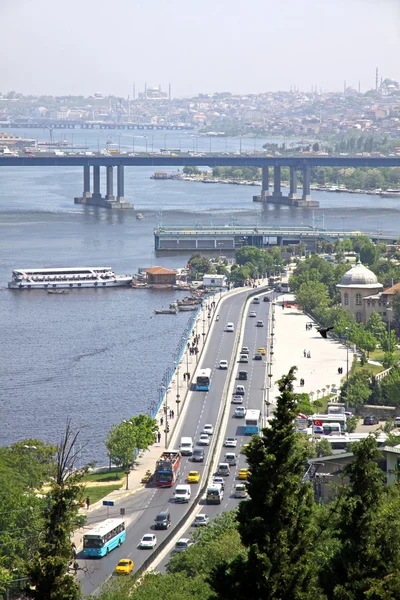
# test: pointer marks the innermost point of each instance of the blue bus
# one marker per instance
(203, 380)
(252, 422)
(104, 537)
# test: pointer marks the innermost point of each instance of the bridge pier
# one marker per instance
(109, 200)
(293, 184)
(306, 183)
(265, 183)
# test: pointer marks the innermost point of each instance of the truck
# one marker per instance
(167, 468)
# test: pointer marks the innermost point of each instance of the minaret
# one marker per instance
(169, 91)
(376, 79)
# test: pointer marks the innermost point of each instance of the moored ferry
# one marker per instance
(74, 277)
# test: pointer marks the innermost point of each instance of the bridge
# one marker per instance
(91, 161)
(225, 238)
(74, 123)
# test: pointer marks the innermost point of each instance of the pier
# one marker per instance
(228, 238)
(94, 198)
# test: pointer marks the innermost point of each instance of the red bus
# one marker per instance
(167, 468)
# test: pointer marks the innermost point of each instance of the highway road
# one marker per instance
(254, 337)
(203, 407)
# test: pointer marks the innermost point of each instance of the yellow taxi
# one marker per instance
(193, 477)
(244, 448)
(261, 351)
(125, 566)
(243, 474)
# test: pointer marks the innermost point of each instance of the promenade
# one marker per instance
(291, 338)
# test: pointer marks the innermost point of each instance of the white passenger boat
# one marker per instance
(70, 278)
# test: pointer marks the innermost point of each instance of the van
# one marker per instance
(182, 493)
(240, 491)
(331, 428)
(224, 469)
(162, 520)
(186, 446)
(240, 390)
(230, 458)
(242, 375)
(230, 327)
(214, 494)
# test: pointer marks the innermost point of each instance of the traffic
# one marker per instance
(179, 470)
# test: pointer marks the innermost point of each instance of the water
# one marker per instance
(98, 356)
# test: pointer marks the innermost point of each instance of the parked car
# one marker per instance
(371, 420)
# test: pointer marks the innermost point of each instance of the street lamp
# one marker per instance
(145, 137)
(343, 218)
(389, 310)
(178, 399)
(127, 468)
(167, 391)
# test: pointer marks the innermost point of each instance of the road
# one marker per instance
(142, 508)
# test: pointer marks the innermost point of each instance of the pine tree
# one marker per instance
(366, 561)
(276, 523)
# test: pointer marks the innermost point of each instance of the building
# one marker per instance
(214, 281)
(160, 276)
(361, 293)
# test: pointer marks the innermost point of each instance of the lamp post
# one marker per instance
(167, 391)
(389, 310)
(145, 137)
(127, 469)
(178, 398)
(343, 218)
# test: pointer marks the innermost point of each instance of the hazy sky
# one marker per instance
(87, 46)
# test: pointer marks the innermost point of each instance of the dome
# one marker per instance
(359, 276)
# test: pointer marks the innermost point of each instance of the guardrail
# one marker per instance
(224, 406)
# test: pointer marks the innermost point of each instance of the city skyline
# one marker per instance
(204, 49)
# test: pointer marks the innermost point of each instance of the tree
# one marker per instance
(396, 310)
(364, 339)
(390, 388)
(357, 389)
(351, 424)
(388, 360)
(49, 570)
(376, 326)
(312, 295)
(367, 531)
(275, 524)
(324, 447)
(191, 170)
(200, 264)
(385, 345)
(125, 439)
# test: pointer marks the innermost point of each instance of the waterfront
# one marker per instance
(98, 356)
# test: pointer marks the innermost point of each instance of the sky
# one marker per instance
(203, 46)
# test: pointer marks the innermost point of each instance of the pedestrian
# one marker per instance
(188, 376)
(173, 414)
(308, 354)
(170, 414)
(158, 437)
(184, 377)
(305, 353)
(162, 421)
(306, 326)
(87, 502)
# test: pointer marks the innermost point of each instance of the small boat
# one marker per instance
(166, 311)
(139, 216)
(57, 291)
(188, 307)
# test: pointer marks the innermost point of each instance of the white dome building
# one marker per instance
(360, 290)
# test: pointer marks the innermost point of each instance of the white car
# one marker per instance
(182, 545)
(230, 327)
(245, 350)
(148, 541)
(237, 399)
(201, 519)
(219, 481)
(230, 442)
(252, 314)
(209, 429)
(244, 358)
(223, 364)
(204, 440)
(260, 324)
(240, 412)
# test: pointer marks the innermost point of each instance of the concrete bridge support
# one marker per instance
(277, 183)
(95, 198)
(293, 184)
(265, 183)
(306, 183)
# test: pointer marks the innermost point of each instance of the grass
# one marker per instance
(371, 369)
(100, 491)
(378, 355)
(114, 475)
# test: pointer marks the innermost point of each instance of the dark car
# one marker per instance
(198, 455)
(258, 357)
(267, 299)
(371, 420)
(242, 375)
(162, 520)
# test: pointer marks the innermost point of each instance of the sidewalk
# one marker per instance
(291, 338)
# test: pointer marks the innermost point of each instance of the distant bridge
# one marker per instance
(94, 161)
(74, 123)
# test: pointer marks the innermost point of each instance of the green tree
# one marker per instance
(324, 447)
(388, 360)
(364, 340)
(50, 569)
(357, 390)
(191, 170)
(390, 388)
(376, 326)
(312, 295)
(200, 264)
(351, 424)
(367, 531)
(385, 345)
(275, 524)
